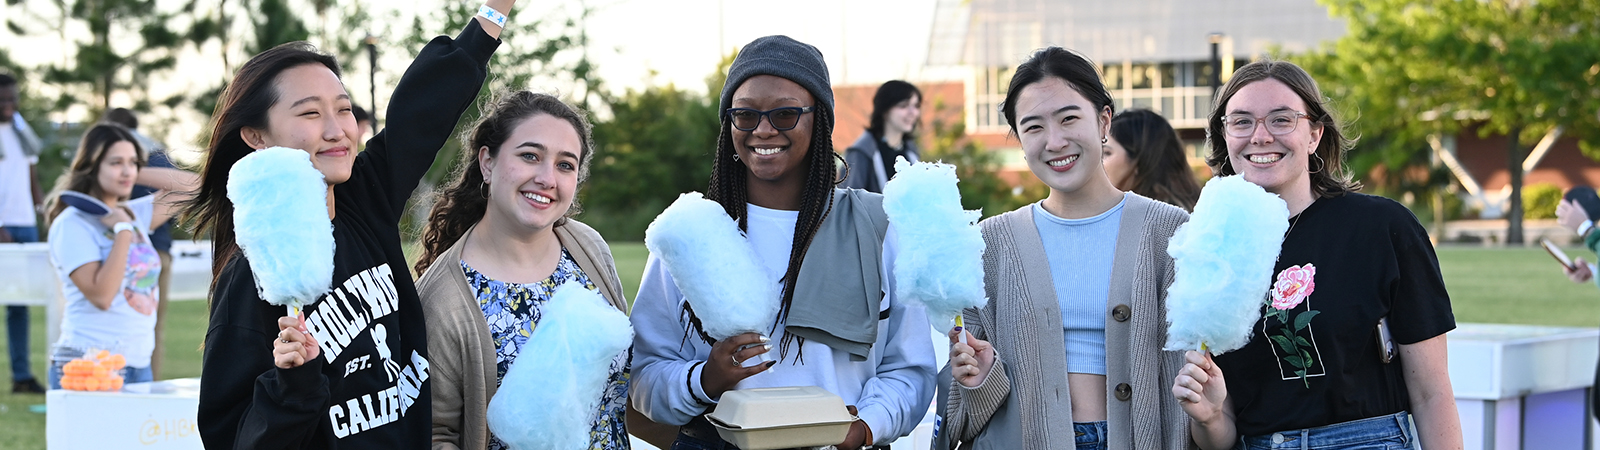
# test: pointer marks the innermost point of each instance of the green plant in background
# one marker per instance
(1540, 200)
(981, 185)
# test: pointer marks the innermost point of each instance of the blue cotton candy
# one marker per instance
(280, 218)
(1224, 258)
(940, 258)
(714, 266)
(551, 394)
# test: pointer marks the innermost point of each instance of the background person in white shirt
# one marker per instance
(107, 266)
(19, 199)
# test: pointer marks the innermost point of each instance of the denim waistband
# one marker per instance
(1393, 427)
(1090, 435)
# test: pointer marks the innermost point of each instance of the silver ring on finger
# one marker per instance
(736, 361)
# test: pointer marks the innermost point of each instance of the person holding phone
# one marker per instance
(1578, 211)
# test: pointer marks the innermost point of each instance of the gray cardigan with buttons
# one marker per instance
(1025, 402)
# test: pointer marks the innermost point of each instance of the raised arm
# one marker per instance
(175, 187)
(435, 91)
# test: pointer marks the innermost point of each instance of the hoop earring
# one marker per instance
(483, 189)
(1320, 162)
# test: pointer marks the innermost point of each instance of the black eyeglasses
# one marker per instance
(782, 119)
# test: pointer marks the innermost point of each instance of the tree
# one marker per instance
(978, 170)
(1414, 68)
(129, 41)
(657, 144)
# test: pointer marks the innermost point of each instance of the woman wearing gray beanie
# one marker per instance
(840, 324)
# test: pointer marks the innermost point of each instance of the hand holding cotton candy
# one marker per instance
(715, 267)
(1224, 258)
(551, 394)
(940, 259)
(280, 219)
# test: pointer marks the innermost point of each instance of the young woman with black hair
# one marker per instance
(352, 370)
(840, 326)
(1145, 156)
(1067, 353)
(891, 133)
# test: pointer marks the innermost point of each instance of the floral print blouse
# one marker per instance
(513, 311)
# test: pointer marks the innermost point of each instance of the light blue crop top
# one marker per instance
(1080, 252)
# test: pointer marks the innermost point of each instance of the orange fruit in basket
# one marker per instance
(91, 384)
(74, 367)
(102, 355)
(69, 382)
(99, 371)
(117, 362)
(116, 384)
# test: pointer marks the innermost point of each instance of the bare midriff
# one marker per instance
(1088, 396)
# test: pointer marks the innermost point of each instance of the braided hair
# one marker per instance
(728, 187)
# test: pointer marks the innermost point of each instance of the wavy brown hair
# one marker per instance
(1160, 170)
(463, 204)
(1330, 178)
(244, 103)
(84, 174)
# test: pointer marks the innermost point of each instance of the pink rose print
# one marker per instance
(1294, 285)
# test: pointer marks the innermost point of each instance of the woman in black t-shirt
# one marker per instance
(1319, 371)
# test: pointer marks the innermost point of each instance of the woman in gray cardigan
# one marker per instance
(498, 242)
(1068, 350)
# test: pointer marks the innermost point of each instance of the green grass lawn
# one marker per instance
(1520, 285)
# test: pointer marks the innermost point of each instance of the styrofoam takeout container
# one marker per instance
(776, 418)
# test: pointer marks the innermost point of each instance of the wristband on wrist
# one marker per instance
(1585, 227)
(494, 16)
(122, 226)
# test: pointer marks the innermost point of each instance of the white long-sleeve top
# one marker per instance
(891, 389)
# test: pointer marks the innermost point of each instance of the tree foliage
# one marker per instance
(1408, 69)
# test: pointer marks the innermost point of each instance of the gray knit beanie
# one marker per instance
(783, 57)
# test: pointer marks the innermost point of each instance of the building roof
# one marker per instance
(1004, 32)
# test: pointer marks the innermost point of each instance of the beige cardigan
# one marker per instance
(460, 349)
(1025, 403)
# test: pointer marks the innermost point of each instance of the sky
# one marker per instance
(634, 43)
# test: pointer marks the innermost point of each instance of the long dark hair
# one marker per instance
(1160, 171)
(243, 104)
(728, 186)
(891, 93)
(1061, 63)
(1329, 178)
(84, 174)
(463, 204)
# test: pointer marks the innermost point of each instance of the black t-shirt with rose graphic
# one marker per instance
(1314, 358)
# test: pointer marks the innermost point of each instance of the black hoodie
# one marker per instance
(369, 387)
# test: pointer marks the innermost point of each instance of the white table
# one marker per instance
(159, 415)
(1523, 386)
(30, 278)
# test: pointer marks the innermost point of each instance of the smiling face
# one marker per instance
(533, 178)
(118, 169)
(1060, 133)
(770, 155)
(903, 117)
(313, 113)
(1280, 164)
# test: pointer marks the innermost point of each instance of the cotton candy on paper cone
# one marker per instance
(1224, 258)
(939, 263)
(280, 220)
(551, 394)
(714, 266)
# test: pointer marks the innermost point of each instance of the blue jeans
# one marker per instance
(17, 318)
(1390, 432)
(1090, 435)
